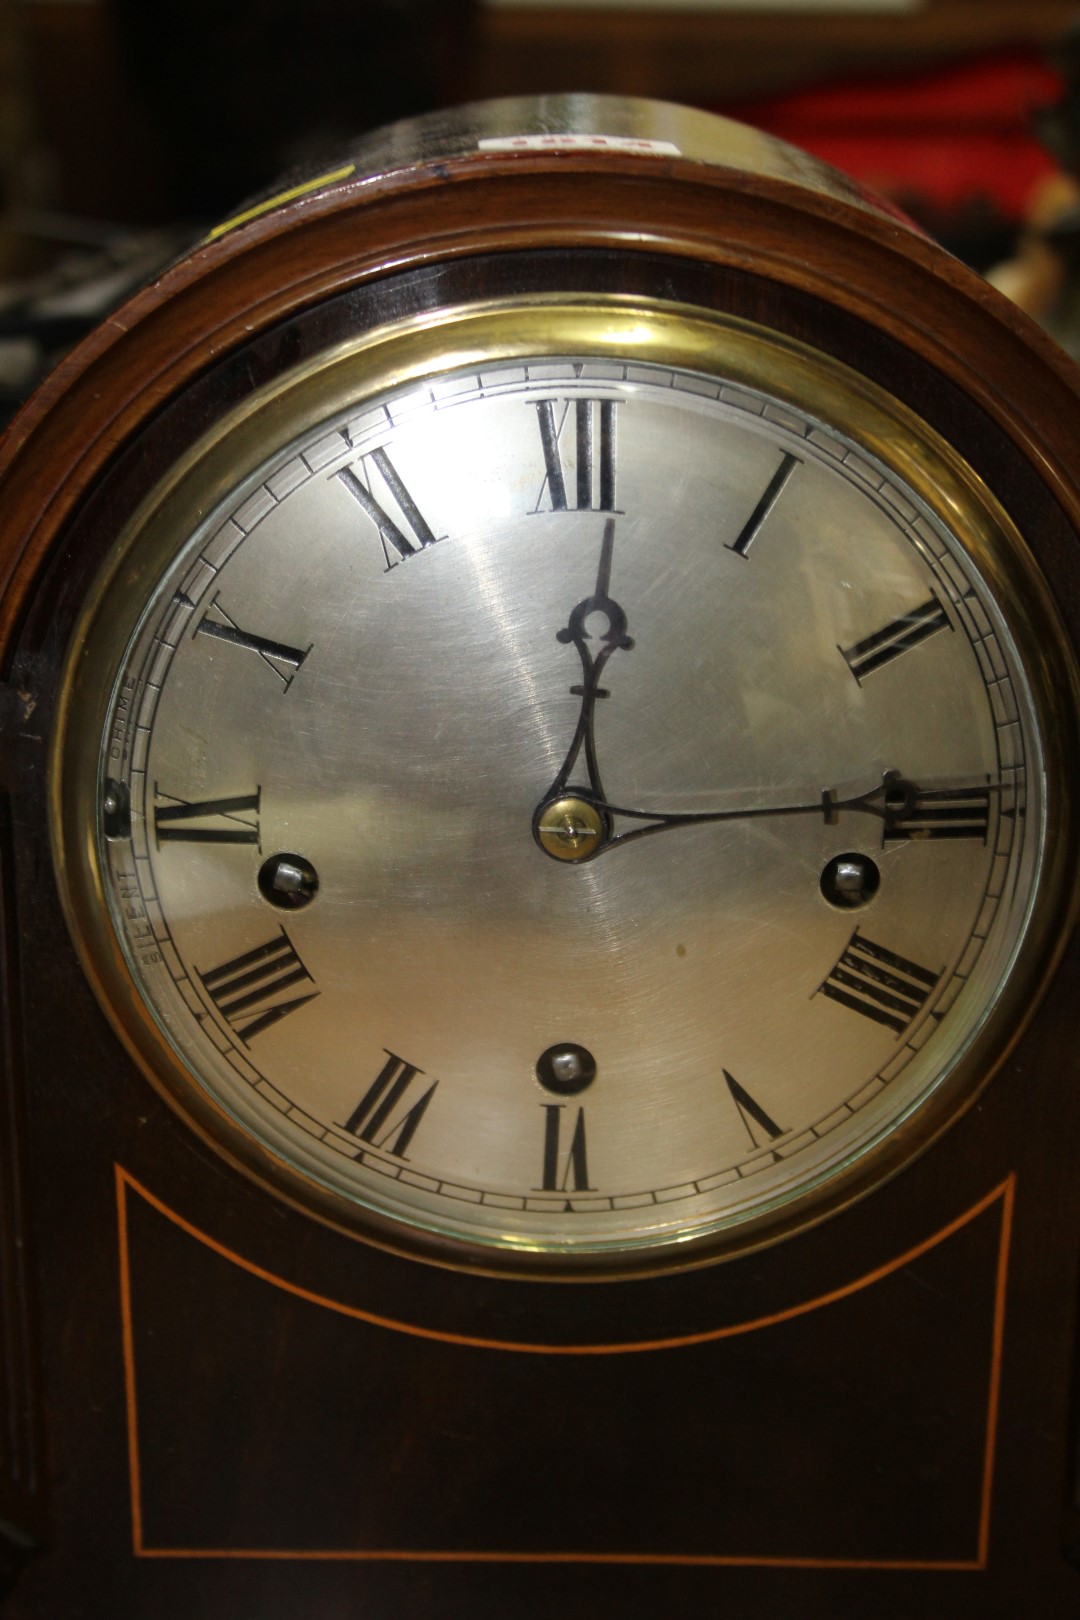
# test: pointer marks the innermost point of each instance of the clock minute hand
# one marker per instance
(903, 808)
(613, 638)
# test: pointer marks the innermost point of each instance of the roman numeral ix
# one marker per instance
(245, 990)
(379, 1119)
(594, 474)
(879, 984)
(207, 821)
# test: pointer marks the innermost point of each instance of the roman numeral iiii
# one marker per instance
(246, 989)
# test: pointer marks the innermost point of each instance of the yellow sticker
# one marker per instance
(282, 197)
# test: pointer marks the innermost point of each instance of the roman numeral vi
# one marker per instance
(575, 1170)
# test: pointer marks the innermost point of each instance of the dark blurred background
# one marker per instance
(127, 127)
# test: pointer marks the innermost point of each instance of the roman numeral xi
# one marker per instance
(402, 538)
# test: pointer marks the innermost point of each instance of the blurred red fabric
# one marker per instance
(938, 142)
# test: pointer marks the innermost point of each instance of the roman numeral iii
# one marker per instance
(246, 989)
(390, 1110)
(593, 439)
(937, 813)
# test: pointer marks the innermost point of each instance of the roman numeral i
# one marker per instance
(773, 490)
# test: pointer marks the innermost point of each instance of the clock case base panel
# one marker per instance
(581, 1495)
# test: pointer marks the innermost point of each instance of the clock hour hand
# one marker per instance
(592, 667)
(577, 825)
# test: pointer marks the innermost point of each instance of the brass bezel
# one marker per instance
(470, 336)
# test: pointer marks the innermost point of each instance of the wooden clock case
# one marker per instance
(212, 1404)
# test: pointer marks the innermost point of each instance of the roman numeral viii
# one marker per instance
(246, 990)
(400, 540)
(593, 454)
(879, 984)
(207, 821)
(385, 1117)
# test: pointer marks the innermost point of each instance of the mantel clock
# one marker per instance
(539, 855)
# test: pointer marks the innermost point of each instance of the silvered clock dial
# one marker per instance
(567, 783)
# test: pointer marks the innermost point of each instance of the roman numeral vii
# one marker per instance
(390, 1110)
